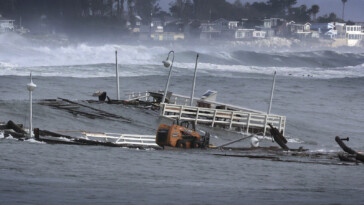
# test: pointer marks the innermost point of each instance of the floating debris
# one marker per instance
(76, 108)
(352, 155)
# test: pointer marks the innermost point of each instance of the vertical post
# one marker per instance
(214, 118)
(248, 123)
(167, 84)
(31, 86)
(30, 113)
(271, 94)
(231, 119)
(117, 75)
(180, 112)
(265, 124)
(194, 81)
(197, 112)
(168, 63)
(163, 109)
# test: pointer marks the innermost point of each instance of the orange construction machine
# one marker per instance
(182, 135)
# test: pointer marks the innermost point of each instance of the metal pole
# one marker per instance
(31, 86)
(169, 76)
(117, 75)
(194, 81)
(271, 94)
(30, 114)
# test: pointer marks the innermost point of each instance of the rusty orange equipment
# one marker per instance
(182, 135)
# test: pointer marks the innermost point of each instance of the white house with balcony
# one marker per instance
(299, 30)
(249, 34)
(244, 33)
(325, 30)
(259, 34)
(353, 34)
(6, 25)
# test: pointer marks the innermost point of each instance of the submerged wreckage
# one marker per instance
(189, 111)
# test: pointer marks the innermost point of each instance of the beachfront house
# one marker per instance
(210, 31)
(353, 34)
(6, 25)
(259, 34)
(325, 30)
(168, 36)
(348, 35)
(271, 27)
(243, 33)
(219, 29)
(299, 31)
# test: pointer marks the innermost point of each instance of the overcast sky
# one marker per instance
(354, 9)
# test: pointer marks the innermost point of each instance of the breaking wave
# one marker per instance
(18, 56)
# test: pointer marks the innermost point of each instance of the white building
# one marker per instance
(353, 34)
(249, 34)
(299, 30)
(259, 34)
(244, 33)
(325, 30)
(6, 25)
(348, 35)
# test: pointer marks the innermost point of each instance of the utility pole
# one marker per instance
(117, 76)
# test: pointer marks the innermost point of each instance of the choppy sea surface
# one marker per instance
(320, 92)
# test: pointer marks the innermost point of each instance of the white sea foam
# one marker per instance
(321, 73)
(324, 150)
(86, 61)
(94, 71)
(34, 141)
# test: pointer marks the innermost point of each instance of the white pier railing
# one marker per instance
(251, 122)
(122, 139)
(217, 114)
(138, 96)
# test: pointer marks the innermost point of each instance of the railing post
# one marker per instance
(248, 123)
(271, 94)
(280, 123)
(186, 101)
(284, 125)
(163, 108)
(194, 82)
(197, 112)
(265, 124)
(231, 119)
(180, 112)
(213, 119)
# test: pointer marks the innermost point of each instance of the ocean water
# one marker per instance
(319, 91)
